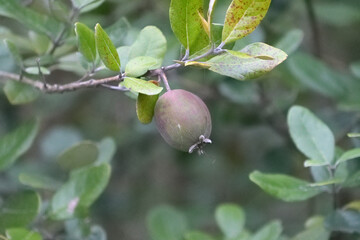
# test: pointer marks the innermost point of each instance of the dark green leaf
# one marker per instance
(86, 41)
(150, 42)
(22, 234)
(79, 192)
(353, 180)
(145, 106)
(31, 19)
(291, 41)
(270, 231)
(242, 17)
(141, 86)
(344, 221)
(20, 93)
(78, 155)
(284, 187)
(310, 135)
(107, 149)
(19, 210)
(253, 61)
(39, 181)
(165, 223)
(106, 49)
(86, 5)
(138, 66)
(14, 52)
(186, 24)
(16, 143)
(196, 235)
(231, 219)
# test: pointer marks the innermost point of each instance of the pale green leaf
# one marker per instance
(353, 180)
(355, 69)
(35, 70)
(19, 210)
(141, 86)
(150, 42)
(145, 106)
(310, 135)
(22, 234)
(86, 41)
(138, 66)
(31, 19)
(291, 41)
(231, 219)
(314, 230)
(348, 155)
(86, 5)
(16, 143)
(79, 192)
(39, 42)
(316, 163)
(242, 17)
(328, 182)
(354, 205)
(270, 231)
(38, 181)
(78, 155)
(106, 49)
(165, 223)
(107, 149)
(343, 220)
(284, 187)
(353, 135)
(20, 93)
(251, 62)
(118, 31)
(337, 14)
(186, 24)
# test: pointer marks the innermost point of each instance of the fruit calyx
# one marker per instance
(200, 145)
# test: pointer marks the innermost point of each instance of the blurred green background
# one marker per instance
(249, 119)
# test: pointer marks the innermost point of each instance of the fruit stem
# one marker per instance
(164, 79)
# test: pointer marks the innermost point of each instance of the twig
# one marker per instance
(79, 84)
(314, 28)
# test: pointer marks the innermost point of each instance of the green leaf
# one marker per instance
(145, 106)
(16, 143)
(151, 42)
(353, 135)
(337, 14)
(242, 17)
(38, 181)
(316, 75)
(353, 180)
(78, 155)
(186, 24)
(291, 41)
(141, 86)
(97, 233)
(107, 149)
(35, 70)
(344, 221)
(285, 187)
(79, 192)
(118, 31)
(270, 231)
(20, 93)
(327, 182)
(251, 62)
(355, 69)
(106, 49)
(19, 210)
(86, 41)
(165, 223)
(138, 66)
(314, 230)
(40, 43)
(86, 5)
(22, 234)
(231, 219)
(31, 19)
(196, 235)
(14, 52)
(348, 155)
(316, 163)
(310, 135)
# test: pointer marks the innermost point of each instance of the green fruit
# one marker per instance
(183, 120)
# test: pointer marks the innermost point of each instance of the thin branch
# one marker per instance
(104, 82)
(314, 28)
